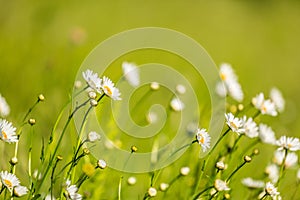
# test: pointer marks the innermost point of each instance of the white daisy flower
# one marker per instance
(4, 107)
(272, 171)
(203, 139)
(20, 191)
(131, 73)
(289, 143)
(266, 134)
(176, 104)
(7, 131)
(266, 107)
(277, 98)
(221, 185)
(221, 89)
(184, 171)
(271, 190)
(9, 180)
(109, 89)
(93, 80)
(93, 136)
(72, 191)
(251, 183)
(180, 89)
(152, 192)
(251, 129)
(131, 180)
(290, 161)
(234, 123)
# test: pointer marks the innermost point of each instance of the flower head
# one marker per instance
(221, 185)
(266, 134)
(271, 190)
(277, 98)
(164, 186)
(234, 123)
(7, 131)
(109, 89)
(131, 180)
(131, 73)
(266, 107)
(251, 129)
(231, 85)
(4, 107)
(289, 143)
(102, 164)
(203, 139)
(93, 80)
(9, 180)
(20, 191)
(152, 192)
(251, 183)
(72, 191)
(180, 89)
(176, 104)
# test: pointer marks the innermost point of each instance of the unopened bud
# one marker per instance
(133, 149)
(93, 102)
(41, 97)
(31, 121)
(247, 159)
(13, 161)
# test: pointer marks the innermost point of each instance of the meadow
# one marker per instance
(43, 45)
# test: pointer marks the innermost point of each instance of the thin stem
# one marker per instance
(236, 170)
(208, 157)
(282, 167)
(120, 188)
(200, 193)
(173, 181)
(58, 143)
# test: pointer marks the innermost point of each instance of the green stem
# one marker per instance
(282, 167)
(208, 157)
(236, 170)
(195, 197)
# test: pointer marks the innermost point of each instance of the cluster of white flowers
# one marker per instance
(229, 85)
(99, 85)
(12, 183)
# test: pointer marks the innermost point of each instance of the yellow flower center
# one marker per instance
(4, 135)
(223, 77)
(201, 140)
(7, 183)
(263, 109)
(108, 90)
(233, 125)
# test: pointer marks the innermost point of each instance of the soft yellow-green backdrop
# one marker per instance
(42, 44)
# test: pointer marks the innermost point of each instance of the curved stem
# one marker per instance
(200, 193)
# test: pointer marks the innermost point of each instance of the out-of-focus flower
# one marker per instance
(290, 161)
(250, 127)
(184, 171)
(180, 89)
(266, 134)
(251, 183)
(272, 171)
(20, 191)
(131, 73)
(131, 180)
(221, 185)
(266, 107)
(152, 192)
(176, 104)
(4, 107)
(93, 136)
(277, 98)
(72, 191)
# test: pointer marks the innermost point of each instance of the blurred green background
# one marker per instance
(43, 43)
